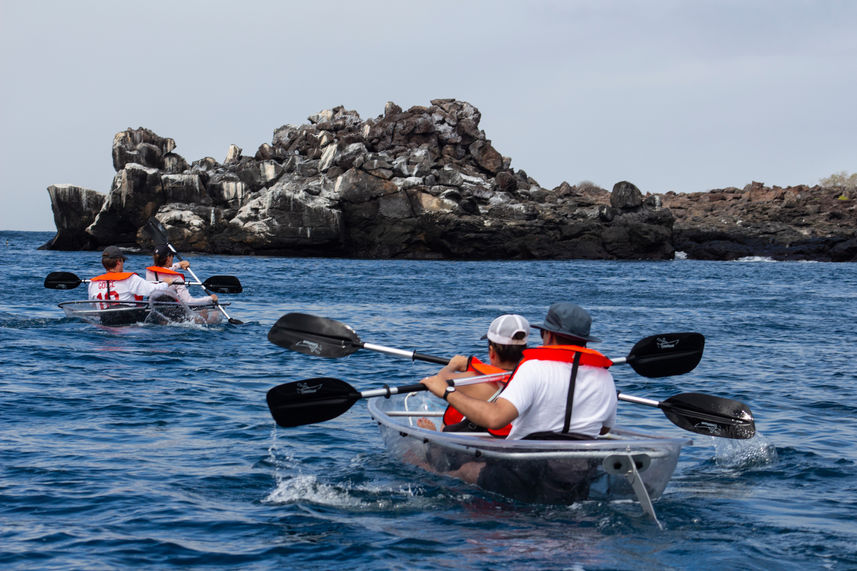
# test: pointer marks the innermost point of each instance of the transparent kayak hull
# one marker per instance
(120, 313)
(614, 467)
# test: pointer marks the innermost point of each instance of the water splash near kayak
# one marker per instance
(293, 486)
(741, 454)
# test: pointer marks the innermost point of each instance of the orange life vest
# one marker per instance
(561, 353)
(112, 276)
(115, 277)
(565, 354)
(474, 365)
(165, 271)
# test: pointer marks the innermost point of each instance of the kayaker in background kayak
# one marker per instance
(507, 338)
(561, 388)
(163, 268)
(119, 285)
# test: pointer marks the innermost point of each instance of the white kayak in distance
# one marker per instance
(618, 466)
(161, 308)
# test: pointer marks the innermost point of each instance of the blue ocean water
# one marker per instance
(152, 446)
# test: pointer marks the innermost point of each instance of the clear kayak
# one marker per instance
(621, 465)
(159, 310)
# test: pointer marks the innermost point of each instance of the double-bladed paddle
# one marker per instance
(159, 235)
(654, 356)
(320, 399)
(218, 284)
(323, 398)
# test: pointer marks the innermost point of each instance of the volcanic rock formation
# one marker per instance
(425, 183)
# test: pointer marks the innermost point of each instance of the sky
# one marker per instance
(672, 95)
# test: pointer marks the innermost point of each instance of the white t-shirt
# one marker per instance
(539, 391)
(181, 291)
(133, 288)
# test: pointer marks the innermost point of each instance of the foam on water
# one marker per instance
(741, 454)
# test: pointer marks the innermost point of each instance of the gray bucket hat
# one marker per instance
(568, 319)
(113, 252)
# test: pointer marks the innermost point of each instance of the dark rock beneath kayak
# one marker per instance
(423, 183)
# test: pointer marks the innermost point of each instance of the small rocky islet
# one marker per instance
(426, 183)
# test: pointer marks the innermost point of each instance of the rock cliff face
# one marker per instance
(420, 183)
(795, 223)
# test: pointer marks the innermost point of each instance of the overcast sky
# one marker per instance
(670, 95)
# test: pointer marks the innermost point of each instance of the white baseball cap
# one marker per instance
(509, 329)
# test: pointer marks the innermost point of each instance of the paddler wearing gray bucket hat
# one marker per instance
(568, 320)
(561, 388)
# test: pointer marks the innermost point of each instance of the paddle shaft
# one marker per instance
(460, 382)
(463, 381)
(67, 280)
(155, 225)
(654, 356)
(317, 400)
(416, 387)
(412, 355)
(639, 400)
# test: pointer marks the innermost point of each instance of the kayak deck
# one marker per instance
(621, 465)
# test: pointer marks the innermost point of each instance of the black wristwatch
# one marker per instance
(447, 392)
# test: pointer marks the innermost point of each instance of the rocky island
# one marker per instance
(426, 183)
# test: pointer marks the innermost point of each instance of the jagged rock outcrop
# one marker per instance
(74, 208)
(418, 183)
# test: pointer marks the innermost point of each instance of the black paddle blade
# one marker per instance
(313, 335)
(159, 235)
(710, 415)
(667, 354)
(223, 284)
(310, 401)
(62, 280)
(157, 230)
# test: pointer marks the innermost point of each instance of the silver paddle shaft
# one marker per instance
(387, 391)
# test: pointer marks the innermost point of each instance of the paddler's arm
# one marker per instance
(496, 414)
(139, 286)
(456, 368)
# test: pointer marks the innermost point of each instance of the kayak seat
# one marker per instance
(464, 426)
(547, 435)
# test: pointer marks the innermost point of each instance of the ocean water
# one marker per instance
(152, 446)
